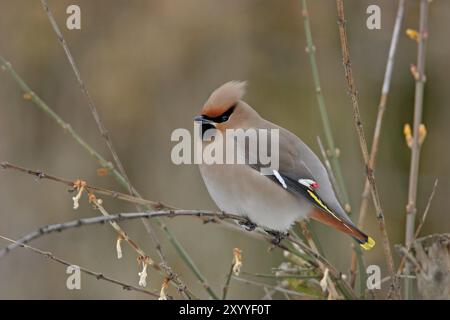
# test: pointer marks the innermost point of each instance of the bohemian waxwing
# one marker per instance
(299, 189)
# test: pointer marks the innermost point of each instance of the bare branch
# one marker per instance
(416, 234)
(411, 207)
(265, 285)
(332, 149)
(102, 191)
(362, 138)
(6, 66)
(377, 131)
(96, 275)
(104, 133)
(337, 275)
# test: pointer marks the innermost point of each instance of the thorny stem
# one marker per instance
(377, 132)
(96, 275)
(362, 139)
(411, 207)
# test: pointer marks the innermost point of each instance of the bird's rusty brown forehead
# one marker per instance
(223, 98)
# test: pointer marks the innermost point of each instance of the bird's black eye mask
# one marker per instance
(219, 119)
(223, 117)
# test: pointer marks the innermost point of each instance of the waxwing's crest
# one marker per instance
(223, 98)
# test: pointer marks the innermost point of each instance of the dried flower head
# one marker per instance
(78, 185)
(237, 261)
(165, 285)
(143, 274)
(118, 246)
(324, 280)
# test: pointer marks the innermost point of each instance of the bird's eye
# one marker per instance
(226, 115)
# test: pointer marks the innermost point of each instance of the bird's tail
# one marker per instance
(364, 240)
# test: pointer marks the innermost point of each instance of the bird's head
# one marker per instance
(224, 109)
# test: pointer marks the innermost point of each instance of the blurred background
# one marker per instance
(149, 66)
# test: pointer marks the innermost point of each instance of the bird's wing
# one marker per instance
(298, 163)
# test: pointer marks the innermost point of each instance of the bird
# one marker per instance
(299, 189)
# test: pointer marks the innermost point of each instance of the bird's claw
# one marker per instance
(248, 225)
(277, 236)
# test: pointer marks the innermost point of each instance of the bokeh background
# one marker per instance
(149, 66)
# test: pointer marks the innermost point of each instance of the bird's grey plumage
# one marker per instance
(240, 188)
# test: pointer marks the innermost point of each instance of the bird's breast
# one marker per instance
(242, 190)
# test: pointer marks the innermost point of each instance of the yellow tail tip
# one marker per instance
(369, 244)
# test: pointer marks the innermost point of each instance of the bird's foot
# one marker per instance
(278, 236)
(248, 225)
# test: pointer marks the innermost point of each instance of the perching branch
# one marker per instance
(96, 275)
(362, 138)
(315, 256)
(60, 227)
(419, 75)
(377, 131)
(181, 287)
(336, 275)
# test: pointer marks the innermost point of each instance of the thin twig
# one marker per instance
(96, 275)
(265, 285)
(226, 286)
(281, 276)
(337, 276)
(411, 207)
(102, 129)
(59, 227)
(327, 163)
(181, 287)
(6, 66)
(104, 133)
(172, 277)
(102, 191)
(378, 124)
(362, 139)
(98, 205)
(418, 230)
(330, 284)
(311, 49)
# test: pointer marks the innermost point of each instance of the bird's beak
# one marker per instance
(203, 120)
